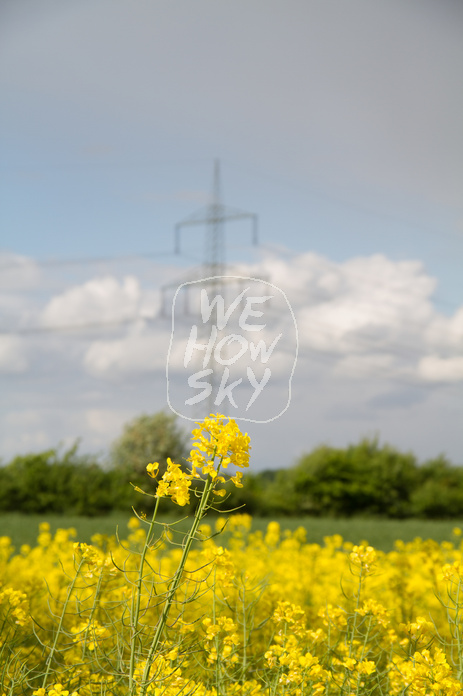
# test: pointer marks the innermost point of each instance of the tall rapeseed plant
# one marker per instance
(216, 445)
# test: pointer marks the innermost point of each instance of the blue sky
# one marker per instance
(338, 124)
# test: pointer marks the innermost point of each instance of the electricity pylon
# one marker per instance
(213, 217)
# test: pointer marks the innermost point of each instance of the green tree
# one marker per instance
(439, 493)
(56, 482)
(149, 438)
(364, 479)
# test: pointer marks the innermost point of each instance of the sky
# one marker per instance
(337, 124)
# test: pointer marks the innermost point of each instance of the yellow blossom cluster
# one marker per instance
(221, 636)
(364, 558)
(394, 629)
(251, 614)
(175, 484)
(14, 604)
(215, 439)
(55, 690)
(217, 444)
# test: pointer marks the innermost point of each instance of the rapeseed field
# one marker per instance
(162, 612)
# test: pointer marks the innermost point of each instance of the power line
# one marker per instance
(307, 352)
(363, 338)
(368, 336)
(213, 217)
(113, 164)
(327, 356)
(29, 330)
(381, 214)
(318, 191)
(146, 255)
(86, 260)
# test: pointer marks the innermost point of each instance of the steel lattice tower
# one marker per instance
(213, 217)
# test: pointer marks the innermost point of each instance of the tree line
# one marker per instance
(366, 479)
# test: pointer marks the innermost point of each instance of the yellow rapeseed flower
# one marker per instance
(153, 469)
(213, 439)
(175, 484)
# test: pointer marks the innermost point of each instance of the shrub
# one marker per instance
(364, 479)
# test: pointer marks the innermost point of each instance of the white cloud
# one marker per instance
(106, 424)
(137, 352)
(20, 279)
(369, 335)
(340, 306)
(24, 431)
(101, 300)
(30, 429)
(368, 313)
(436, 369)
(13, 357)
(18, 272)
(363, 366)
(446, 333)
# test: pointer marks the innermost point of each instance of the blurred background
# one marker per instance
(338, 124)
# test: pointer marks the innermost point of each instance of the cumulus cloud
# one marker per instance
(436, 369)
(446, 333)
(20, 277)
(30, 429)
(105, 424)
(137, 352)
(24, 431)
(368, 315)
(13, 357)
(101, 300)
(372, 343)
(346, 299)
(18, 272)
(363, 366)
(371, 314)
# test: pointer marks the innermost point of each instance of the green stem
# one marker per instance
(216, 639)
(60, 625)
(136, 609)
(176, 582)
(244, 663)
(357, 605)
(458, 629)
(96, 600)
